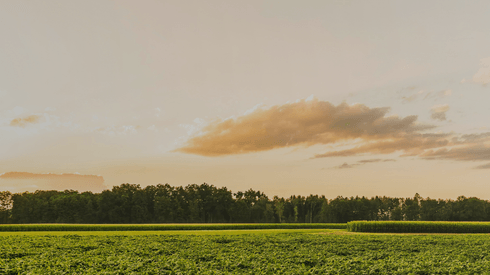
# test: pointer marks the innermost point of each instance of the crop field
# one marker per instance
(327, 252)
(163, 232)
(418, 227)
(157, 227)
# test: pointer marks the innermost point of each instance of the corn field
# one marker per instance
(418, 227)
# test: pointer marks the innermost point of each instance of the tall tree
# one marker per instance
(5, 206)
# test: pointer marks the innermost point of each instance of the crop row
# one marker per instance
(158, 227)
(418, 227)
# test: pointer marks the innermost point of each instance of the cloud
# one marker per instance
(466, 153)
(158, 112)
(258, 106)
(483, 74)
(412, 97)
(24, 181)
(471, 138)
(23, 122)
(194, 128)
(375, 160)
(409, 98)
(315, 122)
(411, 144)
(438, 95)
(445, 93)
(439, 112)
(129, 129)
(484, 166)
(345, 165)
(361, 162)
(119, 130)
(469, 147)
(303, 123)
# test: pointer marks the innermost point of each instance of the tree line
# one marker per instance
(129, 203)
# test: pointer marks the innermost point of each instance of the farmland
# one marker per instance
(281, 252)
(418, 227)
(155, 227)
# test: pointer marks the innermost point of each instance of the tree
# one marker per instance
(411, 208)
(279, 208)
(163, 203)
(429, 210)
(5, 206)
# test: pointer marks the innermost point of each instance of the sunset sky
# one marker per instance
(347, 98)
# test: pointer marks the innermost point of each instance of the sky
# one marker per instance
(335, 98)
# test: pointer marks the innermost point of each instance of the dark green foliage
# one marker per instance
(245, 254)
(131, 204)
(5, 206)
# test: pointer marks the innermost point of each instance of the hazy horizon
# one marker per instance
(335, 98)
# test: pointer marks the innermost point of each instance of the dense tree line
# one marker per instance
(129, 203)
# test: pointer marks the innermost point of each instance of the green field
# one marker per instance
(246, 252)
(166, 232)
(158, 227)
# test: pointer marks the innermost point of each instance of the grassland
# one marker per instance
(252, 252)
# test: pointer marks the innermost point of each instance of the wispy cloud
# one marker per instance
(483, 74)
(484, 166)
(300, 123)
(438, 95)
(376, 160)
(409, 98)
(345, 165)
(24, 121)
(471, 147)
(410, 144)
(439, 112)
(361, 162)
(412, 97)
(120, 130)
(468, 153)
(28, 181)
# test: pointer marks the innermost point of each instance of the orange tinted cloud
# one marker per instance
(439, 112)
(484, 166)
(23, 181)
(360, 162)
(375, 160)
(345, 166)
(22, 122)
(472, 147)
(410, 144)
(301, 123)
(468, 153)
